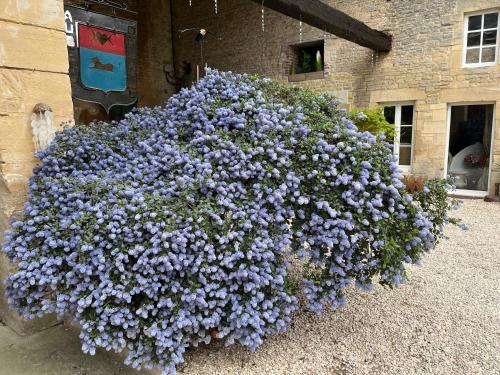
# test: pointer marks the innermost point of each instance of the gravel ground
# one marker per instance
(445, 320)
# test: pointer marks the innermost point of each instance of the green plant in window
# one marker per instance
(306, 62)
(373, 121)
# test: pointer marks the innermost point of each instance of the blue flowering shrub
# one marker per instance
(175, 225)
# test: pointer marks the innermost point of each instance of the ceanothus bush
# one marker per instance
(175, 225)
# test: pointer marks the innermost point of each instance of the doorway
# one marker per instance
(469, 146)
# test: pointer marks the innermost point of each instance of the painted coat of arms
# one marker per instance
(102, 55)
(102, 59)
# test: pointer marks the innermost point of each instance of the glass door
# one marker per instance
(469, 146)
(402, 116)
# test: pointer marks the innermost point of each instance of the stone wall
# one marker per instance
(33, 69)
(424, 66)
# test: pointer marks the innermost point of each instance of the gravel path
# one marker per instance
(446, 320)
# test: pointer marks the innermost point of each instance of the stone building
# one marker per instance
(439, 84)
(426, 78)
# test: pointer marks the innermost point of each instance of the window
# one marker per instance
(402, 117)
(307, 58)
(481, 39)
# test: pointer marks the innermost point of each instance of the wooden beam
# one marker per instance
(326, 18)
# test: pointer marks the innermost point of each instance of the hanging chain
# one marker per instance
(190, 3)
(300, 28)
(216, 6)
(263, 28)
(263, 19)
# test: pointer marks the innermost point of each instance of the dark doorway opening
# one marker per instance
(469, 145)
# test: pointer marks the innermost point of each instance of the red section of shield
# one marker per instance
(101, 39)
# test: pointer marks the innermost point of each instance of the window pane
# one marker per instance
(490, 37)
(404, 155)
(472, 56)
(488, 55)
(473, 39)
(390, 114)
(406, 135)
(407, 115)
(490, 20)
(475, 22)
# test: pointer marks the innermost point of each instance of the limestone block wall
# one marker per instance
(424, 66)
(33, 69)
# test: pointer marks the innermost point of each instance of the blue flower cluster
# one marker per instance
(175, 225)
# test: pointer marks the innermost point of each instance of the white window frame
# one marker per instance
(480, 47)
(397, 135)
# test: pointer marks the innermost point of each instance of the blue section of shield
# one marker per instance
(102, 71)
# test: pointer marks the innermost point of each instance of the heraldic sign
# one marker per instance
(102, 57)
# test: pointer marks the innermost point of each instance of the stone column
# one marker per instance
(33, 69)
(157, 79)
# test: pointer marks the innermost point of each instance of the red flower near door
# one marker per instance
(476, 161)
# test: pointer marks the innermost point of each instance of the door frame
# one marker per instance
(464, 192)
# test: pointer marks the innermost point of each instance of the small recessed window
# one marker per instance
(307, 58)
(481, 39)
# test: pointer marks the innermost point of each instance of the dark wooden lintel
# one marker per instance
(324, 17)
